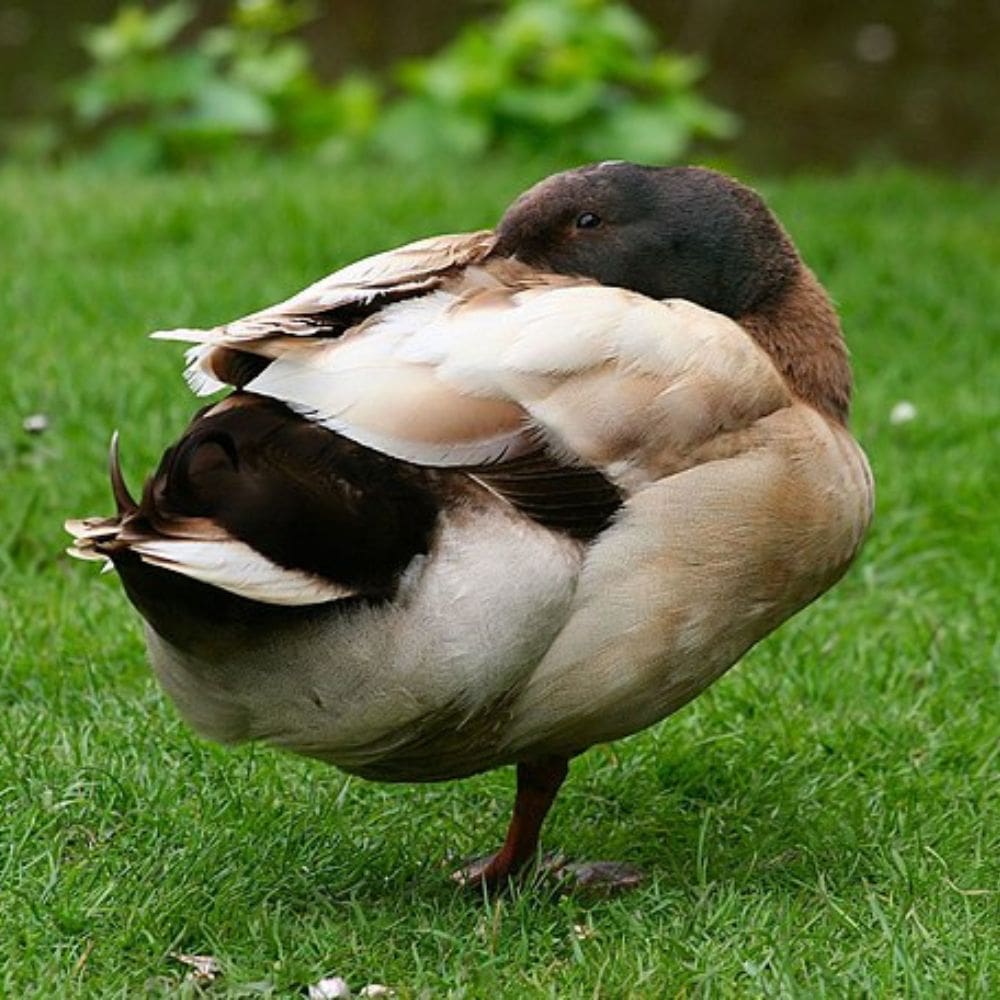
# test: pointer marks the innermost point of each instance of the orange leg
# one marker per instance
(538, 782)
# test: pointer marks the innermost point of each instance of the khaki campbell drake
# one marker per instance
(493, 498)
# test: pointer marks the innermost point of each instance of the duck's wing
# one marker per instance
(256, 501)
(330, 306)
(531, 385)
(563, 398)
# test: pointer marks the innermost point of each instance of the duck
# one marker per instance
(490, 499)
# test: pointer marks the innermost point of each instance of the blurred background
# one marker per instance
(771, 86)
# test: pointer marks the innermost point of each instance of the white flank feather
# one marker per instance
(400, 410)
(234, 566)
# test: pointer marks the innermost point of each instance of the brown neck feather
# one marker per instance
(801, 332)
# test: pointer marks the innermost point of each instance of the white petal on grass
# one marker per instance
(902, 413)
(333, 988)
(373, 990)
(35, 423)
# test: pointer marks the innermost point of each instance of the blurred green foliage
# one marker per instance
(154, 95)
(580, 78)
(583, 77)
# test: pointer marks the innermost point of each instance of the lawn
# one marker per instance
(824, 822)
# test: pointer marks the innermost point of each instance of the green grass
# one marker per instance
(822, 823)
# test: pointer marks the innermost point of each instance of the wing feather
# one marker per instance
(556, 393)
(234, 566)
(341, 299)
(327, 308)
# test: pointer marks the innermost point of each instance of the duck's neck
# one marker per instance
(799, 329)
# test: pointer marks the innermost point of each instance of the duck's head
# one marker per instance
(667, 232)
(689, 233)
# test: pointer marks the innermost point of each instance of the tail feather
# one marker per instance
(123, 499)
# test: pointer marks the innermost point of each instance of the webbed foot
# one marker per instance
(586, 877)
(599, 877)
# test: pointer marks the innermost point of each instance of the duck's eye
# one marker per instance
(587, 220)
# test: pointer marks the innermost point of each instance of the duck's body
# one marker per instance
(515, 512)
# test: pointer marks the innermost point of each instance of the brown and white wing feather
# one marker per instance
(328, 307)
(212, 557)
(234, 566)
